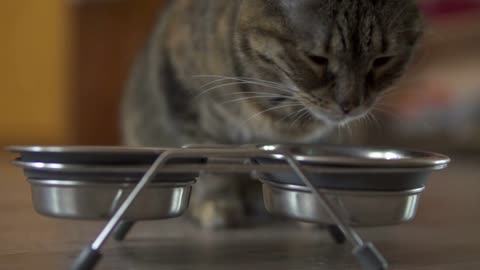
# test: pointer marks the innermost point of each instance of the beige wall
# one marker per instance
(33, 107)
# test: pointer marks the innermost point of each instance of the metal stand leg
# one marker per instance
(87, 259)
(370, 258)
(90, 256)
(366, 253)
(336, 234)
(122, 229)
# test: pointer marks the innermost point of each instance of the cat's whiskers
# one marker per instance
(379, 123)
(237, 80)
(305, 112)
(271, 109)
(248, 95)
(372, 118)
(350, 130)
(257, 97)
(365, 121)
(388, 113)
(231, 84)
(297, 114)
(253, 94)
(249, 92)
(385, 106)
(292, 114)
(238, 83)
(340, 135)
(308, 119)
(346, 126)
(223, 78)
(392, 90)
(358, 122)
(385, 99)
(243, 79)
(369, 119)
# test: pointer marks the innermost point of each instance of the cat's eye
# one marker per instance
(382, 61)
(319, 60)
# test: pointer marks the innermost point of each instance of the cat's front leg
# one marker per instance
(217, 202)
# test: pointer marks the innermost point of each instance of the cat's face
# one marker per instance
(339, 55)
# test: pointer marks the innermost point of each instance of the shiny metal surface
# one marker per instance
(95, 155)
(82, 172)
(214, 165)
(85, 149)
(331, 177)
(365, 179)
(99, 201)
(79, 168)
(306, 153)
(359, 156)
(357, 168)
(359, 208)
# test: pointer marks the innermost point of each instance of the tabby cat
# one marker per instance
(262, 71)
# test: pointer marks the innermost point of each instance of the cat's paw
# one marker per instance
(215, 214)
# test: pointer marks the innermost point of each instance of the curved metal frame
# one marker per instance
(365, 252)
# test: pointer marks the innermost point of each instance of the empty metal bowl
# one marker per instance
(359, 208)
(96, 200)
(84, 182)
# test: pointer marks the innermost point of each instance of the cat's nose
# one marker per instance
(347, 107)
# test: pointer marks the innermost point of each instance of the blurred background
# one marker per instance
(63, 65)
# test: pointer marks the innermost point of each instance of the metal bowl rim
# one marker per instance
(429, 159)
(80, 168)
(60, 182)
(86, 168)
(297, 188)
(87, 149)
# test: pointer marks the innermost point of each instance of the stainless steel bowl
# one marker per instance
(92, 200)
(359, 208)
(356, 168)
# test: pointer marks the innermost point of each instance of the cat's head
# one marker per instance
(339, 55)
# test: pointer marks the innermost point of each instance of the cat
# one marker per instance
(262, 71)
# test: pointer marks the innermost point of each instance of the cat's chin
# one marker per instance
(337, 119)
(332, 119)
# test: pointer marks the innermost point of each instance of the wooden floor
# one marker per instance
(445, 235)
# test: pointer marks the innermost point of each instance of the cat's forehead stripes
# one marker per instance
(336, 27)
(355, 30)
